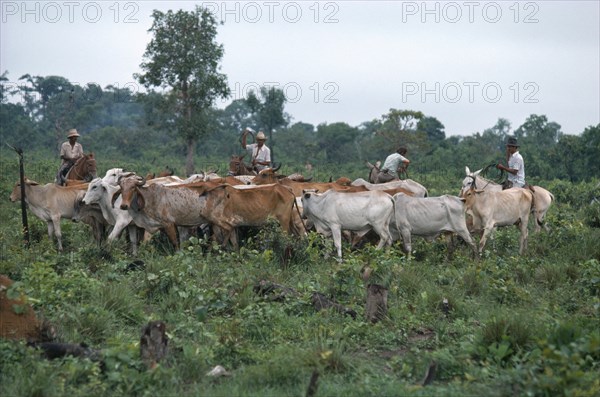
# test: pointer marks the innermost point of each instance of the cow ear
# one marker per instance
(114, 198)
(462, 199)
(139, 199)
(306, 195)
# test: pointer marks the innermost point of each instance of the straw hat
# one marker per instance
(73, 133)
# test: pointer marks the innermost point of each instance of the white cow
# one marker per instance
(504, 208)
(101, 193)
(542, 198)
(429, 217)
(113, 175)
(332, 211)
(408, 184)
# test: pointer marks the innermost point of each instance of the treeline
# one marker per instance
(117, 123)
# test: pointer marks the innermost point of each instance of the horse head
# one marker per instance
(84, 169)
(373, 171)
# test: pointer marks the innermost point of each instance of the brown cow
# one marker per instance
(298, 187)
(228, 207)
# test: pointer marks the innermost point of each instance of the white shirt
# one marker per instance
(70, 152)
(515, 162)
(259, 154)
(392, 162)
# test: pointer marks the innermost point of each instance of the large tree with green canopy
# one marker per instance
(183, 56)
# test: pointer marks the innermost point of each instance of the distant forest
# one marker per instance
(119, 125)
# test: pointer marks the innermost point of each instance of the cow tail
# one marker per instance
(532, 208)
(394, 219)
(295, 204)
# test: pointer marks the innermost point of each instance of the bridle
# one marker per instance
(88, 175)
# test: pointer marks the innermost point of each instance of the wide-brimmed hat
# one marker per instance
(73, 133)
(261, 136)
(512, 142)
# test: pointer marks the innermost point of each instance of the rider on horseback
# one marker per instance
(70, 152)
(261, 154)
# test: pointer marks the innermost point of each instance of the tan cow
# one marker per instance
(490, 209)
(51, 203)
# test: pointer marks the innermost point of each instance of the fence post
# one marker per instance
(19, 152)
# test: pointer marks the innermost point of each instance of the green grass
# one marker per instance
(515, 325)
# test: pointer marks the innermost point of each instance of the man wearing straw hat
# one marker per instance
(70, 152)
(261, 154)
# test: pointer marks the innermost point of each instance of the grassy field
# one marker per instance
(513, 325)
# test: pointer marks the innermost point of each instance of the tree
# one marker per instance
(338, 141)
(433, 128)
(538, 132)
(184, 57)
(49, 102)
(399, 127)
(269, 112)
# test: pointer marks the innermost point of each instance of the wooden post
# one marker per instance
(23, 203)
(313, 385)
(376, 309)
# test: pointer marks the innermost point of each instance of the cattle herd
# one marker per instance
(125, 201)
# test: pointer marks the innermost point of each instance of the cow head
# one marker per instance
(470, 196)
(94, 192)
(112, 176)
(15, 195)
(307, 195)
(130, 192)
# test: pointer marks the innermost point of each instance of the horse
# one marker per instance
(375, 169)
(542, 198)
(237, 166)
(84, 170)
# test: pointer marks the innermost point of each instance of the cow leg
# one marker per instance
(55, 225)
(385, 238)
(466, 236)
(117, 229)
(523, 239)
(171, 232)
(487, 232)
(133, 237)
(336, 233)
(406, 240)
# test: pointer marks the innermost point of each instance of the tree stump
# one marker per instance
(153, 343)
(376, 309)
(17, 318)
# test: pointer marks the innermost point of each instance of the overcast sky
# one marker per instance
(465, 63)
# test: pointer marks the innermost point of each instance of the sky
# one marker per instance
(466, 63)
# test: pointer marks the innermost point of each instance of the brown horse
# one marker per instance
(84, 169)
(237, 166)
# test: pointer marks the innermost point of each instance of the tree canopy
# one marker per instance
(183, 57)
